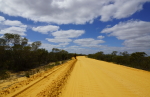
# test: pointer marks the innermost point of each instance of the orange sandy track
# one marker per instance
(93, 78)
(85, 77)
(49, 84)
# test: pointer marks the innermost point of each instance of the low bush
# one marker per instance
(4, 74)
(27, 74)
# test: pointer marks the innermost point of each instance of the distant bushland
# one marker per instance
(16, 54)
(138, 60)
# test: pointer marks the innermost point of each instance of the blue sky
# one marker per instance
(80, 26)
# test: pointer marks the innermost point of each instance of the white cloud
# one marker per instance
(59, 40)
(14, 30)
(136, 34)
(2, 18)
(74, 46)
(71, 11)
(49, 47)
(88, 42)
(15, 27)
(63, 44)
(121, 9)
(143, 41)
(80, 50)
(105, 49)
(63, 36)
(45, 29)
(85, 50)
(12, 23)
(68, 33)
(128, 7)
(129, 29)
(100, 37)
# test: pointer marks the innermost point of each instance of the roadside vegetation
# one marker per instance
(16, 54)
(138, 60)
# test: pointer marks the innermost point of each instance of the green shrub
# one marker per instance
(4, 74)
(50, 66)
(57, 63)
(27, 74)
(37, 70)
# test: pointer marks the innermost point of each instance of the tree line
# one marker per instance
(16, 54)
(138, 60)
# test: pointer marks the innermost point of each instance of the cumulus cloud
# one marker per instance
(121, 9)
(2, 18)
(71, 11)
(100, 37)
(68, 33)
(63, 36)
(63, 44)
(14, 30)
(59, 40)
(80, 50)
(143, 41)
(12, 23)
(88, 42)
(45, 29)
(71, 49)
(12, 26)
(134, 33)
(48, 46)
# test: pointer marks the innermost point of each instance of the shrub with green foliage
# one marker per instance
(57, 63)
(17, 55)
(4, 74)
(27, 74)
(138, 60)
